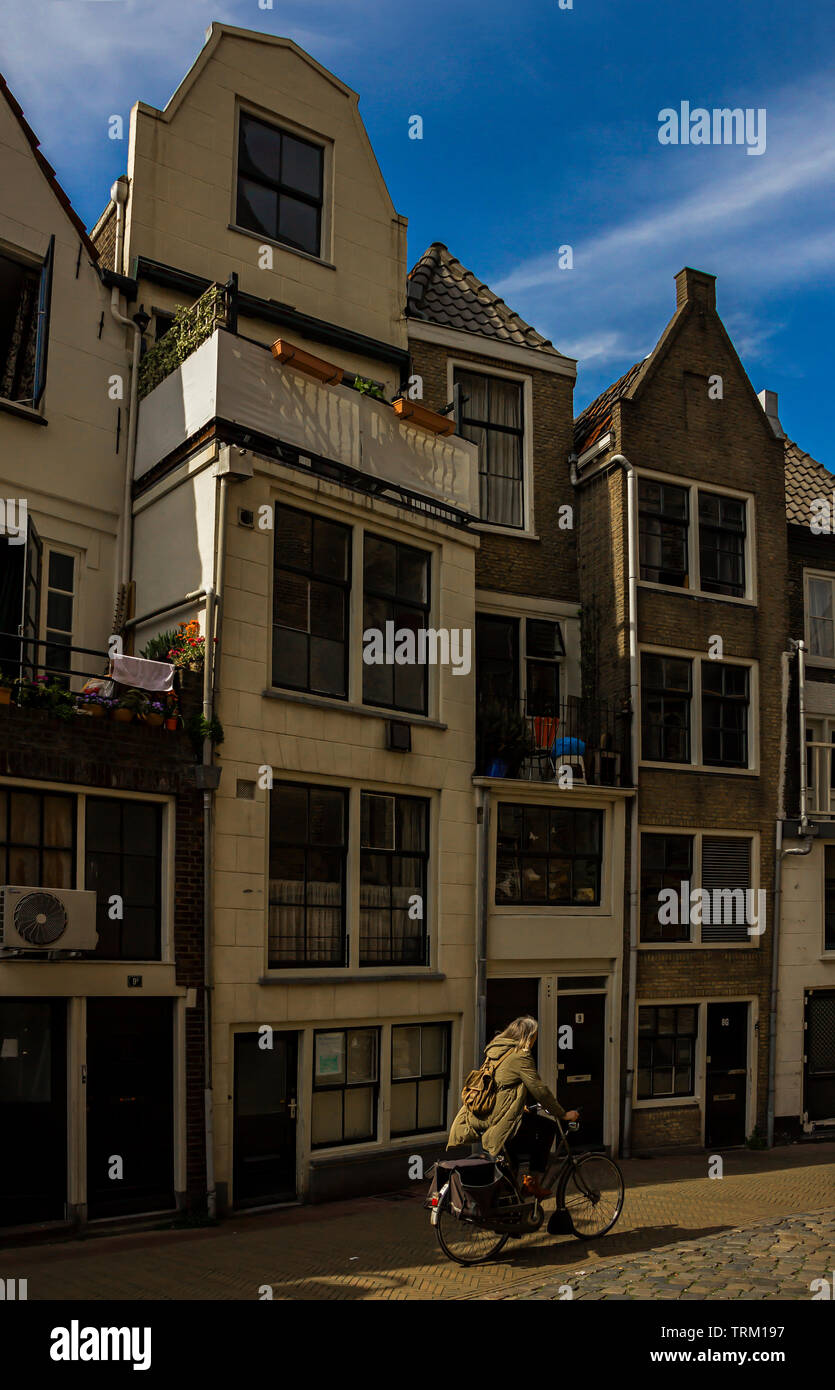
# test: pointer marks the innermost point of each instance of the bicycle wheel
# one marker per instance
(592, 1194)
(463, 1240)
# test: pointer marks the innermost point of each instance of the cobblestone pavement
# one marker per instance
(770, 1260)
(677, 1224)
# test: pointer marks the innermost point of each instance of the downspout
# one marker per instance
(119, 195)
(620, 460)
(483, 861)
(807, 835)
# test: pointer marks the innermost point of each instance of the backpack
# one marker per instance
(479, 1091)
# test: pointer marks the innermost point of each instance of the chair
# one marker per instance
(544, 728)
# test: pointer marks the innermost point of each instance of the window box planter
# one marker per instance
(301, 361)
(413, 414)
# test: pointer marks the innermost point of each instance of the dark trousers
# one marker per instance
(532, 1141)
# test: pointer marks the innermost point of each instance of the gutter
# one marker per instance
(621, 461)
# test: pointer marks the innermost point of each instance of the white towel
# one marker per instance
(143, 675)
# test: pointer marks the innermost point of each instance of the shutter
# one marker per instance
(44, 306)
(726, 864)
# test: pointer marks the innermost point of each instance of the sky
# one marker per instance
(540, 131)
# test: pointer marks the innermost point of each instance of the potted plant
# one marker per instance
(188, 650)
(505, 736)
(93, 703)
(134, 702)
(200, 728)
(159, 647)
(6, 684)
(172, 714)
(154, 714)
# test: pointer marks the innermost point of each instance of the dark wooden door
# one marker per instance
(819, 1055)
(581, 1067)
(33, 1110)
(726, 1066)
(130, 1106)
(266, 1088)
(509, 999)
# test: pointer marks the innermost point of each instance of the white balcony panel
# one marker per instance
(232, 379)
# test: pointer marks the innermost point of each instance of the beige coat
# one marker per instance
(518, 1082)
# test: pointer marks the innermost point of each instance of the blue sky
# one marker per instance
(540, 130)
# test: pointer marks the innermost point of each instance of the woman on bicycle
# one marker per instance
(509, 1125)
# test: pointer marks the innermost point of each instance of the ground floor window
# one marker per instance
(419, 1077)
(829, 899)
(345, 1085)
(666, 1050)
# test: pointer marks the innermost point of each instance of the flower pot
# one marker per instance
(171, 724)
(94, 711)
(154, 720)
(195, 666)
(497, 768)
(5, 695)
(122, 716)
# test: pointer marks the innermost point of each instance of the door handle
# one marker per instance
(292, 1107)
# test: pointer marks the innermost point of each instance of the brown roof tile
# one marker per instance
(595, 420)
(441, 290)
(806, 480)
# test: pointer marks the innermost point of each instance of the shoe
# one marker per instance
(532, 1188)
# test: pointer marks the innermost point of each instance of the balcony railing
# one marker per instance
(820, 777)
(538, 742)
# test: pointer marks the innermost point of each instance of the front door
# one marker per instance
(510, 999)
(726, 1063)
(581, 1054)
(819, 1055)
(130, 1106)
(33, 1110)
(266, 1086)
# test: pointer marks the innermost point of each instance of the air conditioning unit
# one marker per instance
(47, 919)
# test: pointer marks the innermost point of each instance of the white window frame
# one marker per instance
(822, 729)
(70, 552)
(494, 605)
(698, 835)
(527, 531)
(809, 574)
(696, 764)
(694, 487)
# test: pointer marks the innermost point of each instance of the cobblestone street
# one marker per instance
(765, 1230)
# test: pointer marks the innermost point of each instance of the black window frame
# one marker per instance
(474, 424)
(648, 1041)
(656, 880)
(416, 1080)
(322, 1087)
(277, 186)
(393, 857)
(311, 845)
(37, 316)
(116, 805)
(512, 860)
(668, 697)
(312, 576)
(539, 701)
(722, 703)
(7, 845)
(712, 534)
(658, 521)
(395, 602)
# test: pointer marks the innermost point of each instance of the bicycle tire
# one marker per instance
(594, 1203)
(447, 1224)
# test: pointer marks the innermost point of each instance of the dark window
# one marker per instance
(829, 898)
(345, 1086)
(308, 847)
(37, 839)
(724, 714)
(491, 417)
(279, 185)
(666, 863)
(722, 544)
(548, 855)
(162, 323)
(820, 609)
(663, 513)
(396, 591)
(419, 1077)
(393, 863)
(666, 689)
(20, 287)
(543, 648)
(666, 1050)
(123, 858)
(497, 660)
(311, 584)
(60, 593)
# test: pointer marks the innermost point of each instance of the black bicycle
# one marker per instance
(477, 1205)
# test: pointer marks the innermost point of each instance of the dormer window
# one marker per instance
(280, 182)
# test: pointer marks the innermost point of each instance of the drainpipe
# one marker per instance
(483, 908)
(807, 833)
(119, 195)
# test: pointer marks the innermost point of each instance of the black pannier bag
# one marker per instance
(472, 1185)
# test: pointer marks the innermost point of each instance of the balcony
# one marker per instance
(589, 737)
(209, 373)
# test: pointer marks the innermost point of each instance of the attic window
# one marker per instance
(280, 180)
(24, 328)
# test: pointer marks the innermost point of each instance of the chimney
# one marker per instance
(696, 287)
(768, 401)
